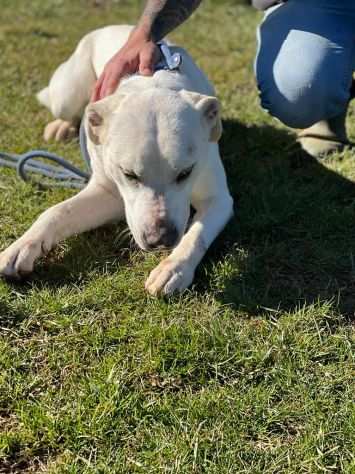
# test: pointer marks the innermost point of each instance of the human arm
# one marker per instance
(140, 53)
(160, 17)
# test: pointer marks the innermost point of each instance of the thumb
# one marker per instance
(148, 59)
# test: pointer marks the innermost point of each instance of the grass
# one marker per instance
(252, 369)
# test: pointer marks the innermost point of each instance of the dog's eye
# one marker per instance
(131, 176)
(184, 175)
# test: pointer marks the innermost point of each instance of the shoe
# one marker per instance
(325, 137)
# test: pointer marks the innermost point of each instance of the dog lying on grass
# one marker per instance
(154, 153)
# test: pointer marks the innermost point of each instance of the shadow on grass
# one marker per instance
(10, 318)
(73, 261)
(97, 250)
(292, 239)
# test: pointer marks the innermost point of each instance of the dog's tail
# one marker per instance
(43, 97)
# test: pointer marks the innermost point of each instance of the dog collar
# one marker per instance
(168, 62)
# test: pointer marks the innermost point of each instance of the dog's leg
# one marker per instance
(69, 92)
(213, 210)
(176, 272)
(93, 206)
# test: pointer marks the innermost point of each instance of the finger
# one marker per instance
(108, 87)
(95, 95)
(111, 81)
(148, 58)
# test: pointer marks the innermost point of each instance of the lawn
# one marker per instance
(252, 369)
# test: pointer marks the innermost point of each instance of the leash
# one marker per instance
(66, 175)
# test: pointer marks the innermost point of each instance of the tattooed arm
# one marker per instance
(162, 16)
(140, 52)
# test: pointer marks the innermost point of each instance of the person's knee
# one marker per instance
(299, 101)
(301, 76)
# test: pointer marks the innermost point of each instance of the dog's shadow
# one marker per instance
(292, 240)
(102, 250)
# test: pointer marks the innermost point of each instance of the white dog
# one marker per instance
(153, 148)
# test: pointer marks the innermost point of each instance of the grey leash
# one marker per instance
(66, 175)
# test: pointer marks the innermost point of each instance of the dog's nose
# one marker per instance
(163, 237)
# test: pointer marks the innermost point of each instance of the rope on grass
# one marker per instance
(66, 175)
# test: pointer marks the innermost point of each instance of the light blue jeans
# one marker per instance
(306, 59)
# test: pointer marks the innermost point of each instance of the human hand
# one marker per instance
(139, 53)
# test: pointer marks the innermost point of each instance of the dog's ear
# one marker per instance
(97, 114)
(210, 110)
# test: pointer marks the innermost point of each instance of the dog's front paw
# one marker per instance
(18, 259)
(169, 276)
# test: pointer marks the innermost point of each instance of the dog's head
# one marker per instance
(153, 146)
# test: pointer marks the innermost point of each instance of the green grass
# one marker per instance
(252, 369)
